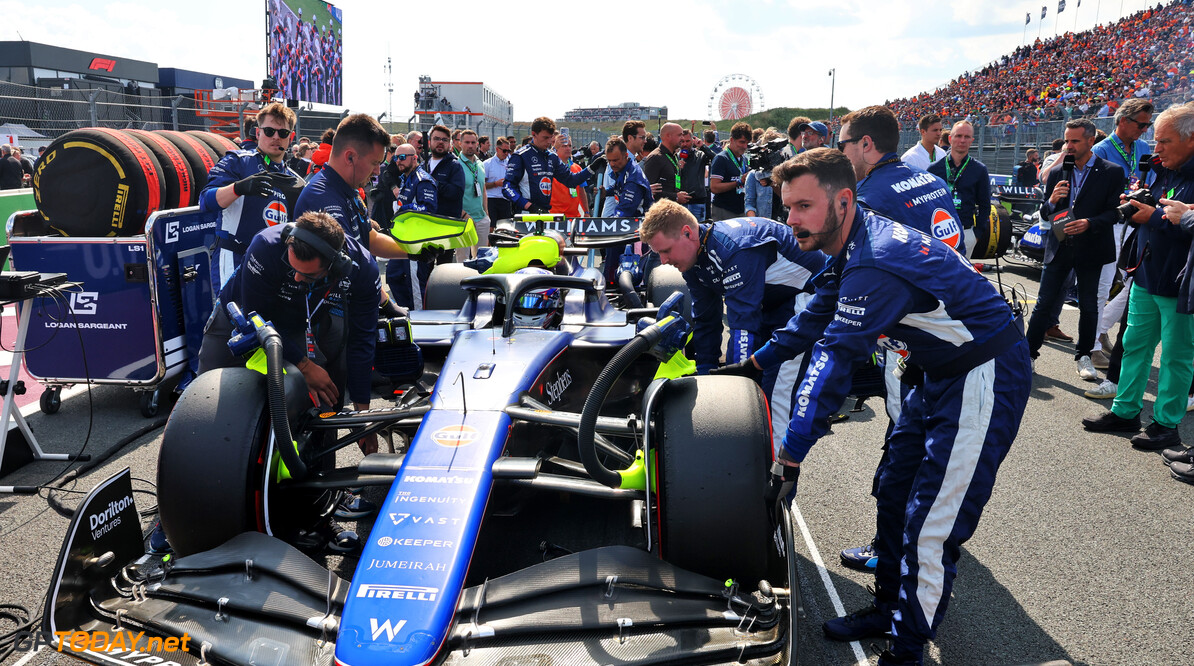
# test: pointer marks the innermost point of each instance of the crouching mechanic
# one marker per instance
(320, 289)
(242, 188)
(759, 270)
(955, 426)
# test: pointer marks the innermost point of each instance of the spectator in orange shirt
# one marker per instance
(570, 201)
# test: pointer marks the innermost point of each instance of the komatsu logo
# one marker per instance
(806, 389)
(410, 592)
(556, 388)
(913, 182)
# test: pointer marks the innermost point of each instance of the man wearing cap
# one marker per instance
(813, 134)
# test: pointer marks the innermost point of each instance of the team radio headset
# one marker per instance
(339, 264)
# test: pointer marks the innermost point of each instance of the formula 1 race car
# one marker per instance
(566, 497)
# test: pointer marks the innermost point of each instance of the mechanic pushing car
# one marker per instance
(969, 363)
(531, 168)
(757, 267)
(320, 288)
(243, 188)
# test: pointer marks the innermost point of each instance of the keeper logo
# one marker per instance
(84, 302)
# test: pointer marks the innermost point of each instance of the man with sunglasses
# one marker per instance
(247, 186)
(495, 178)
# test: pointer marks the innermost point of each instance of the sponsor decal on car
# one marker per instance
(455, 436)
(408, 592)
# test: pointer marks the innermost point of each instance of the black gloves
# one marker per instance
(390, 309)
(257, 185)
(741, 369)
(538, 209)
(598, 164)
(780, 484)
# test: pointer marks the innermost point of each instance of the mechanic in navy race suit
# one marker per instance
(756, 266)
(957, 423)
(906, 194)
(629, 188)
(328, 322)
(240, 186)
(869, 137)
(358, 150)
(531, 168)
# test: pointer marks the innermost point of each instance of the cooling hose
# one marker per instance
(588, 416)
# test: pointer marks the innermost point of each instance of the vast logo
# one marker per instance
(412, 592)
(385, 628)
(455, 436)
(945, 227)
(106, 64)
(275, 213)
(84, 302)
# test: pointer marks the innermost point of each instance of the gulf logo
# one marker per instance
(275, 213)
(545, 185)
(455, 436)
(945, 228)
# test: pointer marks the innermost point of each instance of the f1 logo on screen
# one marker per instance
(172, 231)
(84, 302)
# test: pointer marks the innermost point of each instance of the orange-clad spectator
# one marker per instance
(570, 201)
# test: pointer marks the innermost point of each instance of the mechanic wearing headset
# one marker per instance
(242, 188)
(358, 150)
(320, 289)
(756, 265)
(955, 426)
(532, 167)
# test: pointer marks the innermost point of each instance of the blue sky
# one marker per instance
(560, 55)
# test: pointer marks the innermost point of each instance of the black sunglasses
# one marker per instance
(1142, 126)
(841, 145)
(402, 157)
(270, 132)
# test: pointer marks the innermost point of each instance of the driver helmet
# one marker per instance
(541, 308)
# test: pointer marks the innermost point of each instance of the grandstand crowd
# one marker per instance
(1149, 54)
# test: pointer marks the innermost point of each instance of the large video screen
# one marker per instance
(306, 50)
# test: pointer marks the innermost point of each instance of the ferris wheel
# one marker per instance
(734, 97)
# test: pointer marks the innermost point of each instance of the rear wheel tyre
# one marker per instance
(50, 401)
(665, 281)
(212, 466)
(443, 287)
(713, 451)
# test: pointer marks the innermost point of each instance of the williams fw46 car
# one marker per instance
(565, 498)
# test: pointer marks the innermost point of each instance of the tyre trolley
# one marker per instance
(137, 320)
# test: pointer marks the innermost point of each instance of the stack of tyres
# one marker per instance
(99, 182)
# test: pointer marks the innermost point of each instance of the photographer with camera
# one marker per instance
(1081, 200)
(1159, 305)
(694, 158)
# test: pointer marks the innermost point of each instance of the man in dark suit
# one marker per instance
(1090, 195)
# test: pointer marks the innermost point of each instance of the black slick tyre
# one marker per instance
(97, 182)
(217, 142)
(713, 451)
(175, 171)
(198, 154)
(443, 287)
(210, 464)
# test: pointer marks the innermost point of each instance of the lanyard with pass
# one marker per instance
(677, 165)
(1129, 158)
(738, 165)
(951, 178)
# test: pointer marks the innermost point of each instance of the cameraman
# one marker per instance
(1158, 305)
(1090, 196)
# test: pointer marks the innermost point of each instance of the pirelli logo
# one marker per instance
(122, 199)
